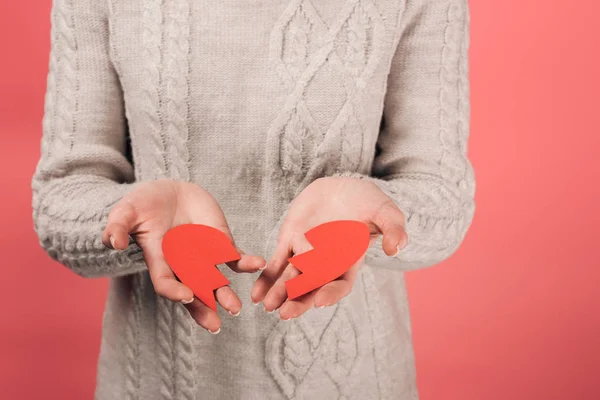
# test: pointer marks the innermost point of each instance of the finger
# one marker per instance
(121, 221)
(204, 316)
(295, 308)
(277, 294)
(274, 269)
(333, 292)
(164, 281)
(229, 300)
(330, 294)
(390, 221)
(247, 263)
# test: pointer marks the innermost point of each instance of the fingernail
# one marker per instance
(401, 246)
(323, 306)
(269, 312)
(286, 319)
(404, 242)
(236, 314)
(215, 332)
(255, 304)
(112, 242)
(187, 301)
(263, 268)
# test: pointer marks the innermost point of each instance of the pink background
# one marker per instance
(513, 315)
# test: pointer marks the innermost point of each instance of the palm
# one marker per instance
(162, 205)
(335, 199)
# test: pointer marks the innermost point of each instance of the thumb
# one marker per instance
(121, 221)
(390, 221)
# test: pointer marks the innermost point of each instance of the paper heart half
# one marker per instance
(193, 251)
(337, 245)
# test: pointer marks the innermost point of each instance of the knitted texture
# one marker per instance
(132, 346)
(254, 101)
(296, 349)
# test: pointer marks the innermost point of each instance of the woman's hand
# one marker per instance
(326, 199)
(147, 213)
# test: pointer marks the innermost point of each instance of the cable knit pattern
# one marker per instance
(298, 347)
(60, 104)
(175, 84)
(174, 338)
(48, 123)
(305, 52)
(454, 165)
(376, 306)
(164, 337)
(153, 36)
(67, 78)
(254, 101)
(132, 347)
(185, 380)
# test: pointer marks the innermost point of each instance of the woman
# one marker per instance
(262, 119)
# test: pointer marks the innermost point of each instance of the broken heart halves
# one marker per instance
(193, 251)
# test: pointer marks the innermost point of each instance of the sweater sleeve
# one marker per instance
(421, 158)
(83, 169)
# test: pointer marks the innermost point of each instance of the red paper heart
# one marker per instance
(193, 251)
(337, 245)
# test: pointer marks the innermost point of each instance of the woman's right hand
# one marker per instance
(152, 208)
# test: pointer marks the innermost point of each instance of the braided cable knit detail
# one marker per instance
(66, 100)
(467, 184)
(454, 132)
(185, 382)
(176, 86)
(374, 308)
(152, 39)
(164, 338)
(376, 305)
(176, 356)
(351, 146)
(48, 122)
(356, 51)
(450, 165)
(132, 350)
(297, 43)
(292, 148)
(60, 106)
(296, 347)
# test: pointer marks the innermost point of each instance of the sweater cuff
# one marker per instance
(70, 215)
(436, 221)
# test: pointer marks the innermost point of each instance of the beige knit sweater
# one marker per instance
(253, 100)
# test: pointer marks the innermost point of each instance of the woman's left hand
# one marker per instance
(326, 199)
